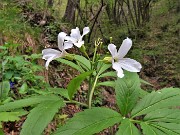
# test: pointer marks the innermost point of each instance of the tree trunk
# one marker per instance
(71, 7)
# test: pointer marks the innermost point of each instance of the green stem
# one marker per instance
(86, 55)
(92, 91)
(95, 50)
(76, 102)
(135, 121)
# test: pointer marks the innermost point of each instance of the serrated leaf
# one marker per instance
(150, 130)
(71, 64)
(127, 128)
(4, 89)
(163, 115)
(12, 116)
(9, 116)
(127, 92)
(27, 102)
(110, 74)
(142, 93)
(160, 128)
(107, 83)
(40, 116)
(85, 63)
(164, 98)
(75, 83)
(60, 91)
(168, 128)
(89, 122)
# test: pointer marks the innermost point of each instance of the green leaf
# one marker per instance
(40, 116)
(164, 115)
(1, 131)
(89, 122)
(160, 128)
(164, 98)
(75, 83)
(4, 89)
(103, 67)
(127, 128)
(27, 102)
(60, 91)
(107, 83)
(110, 74)
(142, 93)
(7, 100)
(12, 116)
(8, 75)
(85, 63)
(9, 116)
(150, 130)
(23, 89)
(168, 128)
(127, 92)
(71, 64)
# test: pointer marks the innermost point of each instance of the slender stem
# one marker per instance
(92, 91)
(95, 50)
(86, 55)
(76, 102)
(135, 121)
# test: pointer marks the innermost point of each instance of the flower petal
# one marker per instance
(48, 61)
(124, 48)
(71, 39)
(117, 66)
(79, 44)
(75, 33)
(61, 37)
(85, 31)
(130, 65)
(112, 49)
(50, 54)
(68, 44)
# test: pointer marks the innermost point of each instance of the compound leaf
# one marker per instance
(27, 102)
(164, 98)
(89, 122)
(40, 116)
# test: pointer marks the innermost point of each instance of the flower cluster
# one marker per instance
(118, 61)
(64, 42)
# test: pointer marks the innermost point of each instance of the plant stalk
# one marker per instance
(76, 102)
(92, 91)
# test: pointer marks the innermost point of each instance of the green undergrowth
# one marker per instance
(159, 51)
(12, 23)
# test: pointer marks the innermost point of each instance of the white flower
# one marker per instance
(118, 60)
(51, 54)
(76, 38)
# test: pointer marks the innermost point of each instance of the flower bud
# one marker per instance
(69, 56)
(83, 49)
(107, 60)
